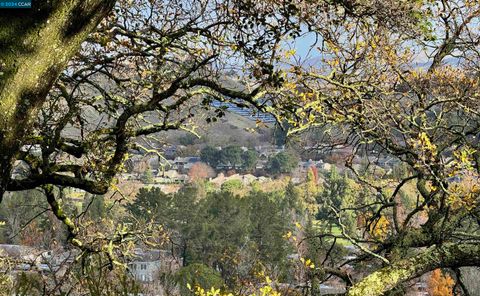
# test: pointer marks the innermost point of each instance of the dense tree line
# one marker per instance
(236, 236)
(233, 157)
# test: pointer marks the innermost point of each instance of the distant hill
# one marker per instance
(232, 129)
(246, 112)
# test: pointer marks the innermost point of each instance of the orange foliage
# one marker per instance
(440, 284)
(315, 174)
(380, 228)
(200, 171)
(230, 173)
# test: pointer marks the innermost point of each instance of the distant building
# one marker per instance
(245, 112)
(148, 264)
(140, 163)
(28, 258)
(171, 177)
(58, 261)
(305, 165)
(246, 179)
(264, 152)
(184, 164)
(319, 164)
(261, 164)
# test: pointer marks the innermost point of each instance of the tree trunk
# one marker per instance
(35, 46)
(447, 255)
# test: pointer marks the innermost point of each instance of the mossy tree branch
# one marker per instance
(36, 46)
(445, 256)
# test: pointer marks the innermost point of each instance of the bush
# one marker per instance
(188, 139)
(232, 185)
(198, 274)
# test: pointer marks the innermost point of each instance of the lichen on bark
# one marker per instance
(36, 46)
(443, 256)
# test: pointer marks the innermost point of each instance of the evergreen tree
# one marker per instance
(147, 203)
(336, 195)
(211, 156)
(147, 177)
(281, 163)
(232, 155)
(249, 160)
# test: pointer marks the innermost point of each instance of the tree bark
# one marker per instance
(446, 256)
(35, 47)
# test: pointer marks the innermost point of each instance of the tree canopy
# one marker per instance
(85, 83)
(281, 163)
(404, 90)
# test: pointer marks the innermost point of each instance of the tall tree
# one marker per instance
(231, 155)
(401, 87)
(36, 46)
(249, 160)
(147, 203)
(77, 93)
(282, 163)
(210, 156)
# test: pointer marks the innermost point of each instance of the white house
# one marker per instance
(147, 264)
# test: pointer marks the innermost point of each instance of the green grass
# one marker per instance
(334, 231)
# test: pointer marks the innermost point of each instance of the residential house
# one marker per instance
(24, 257)
(148, 264)
(171, 177)
(264, 152)
(184, 164)
(305, 165)
(28, 258)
